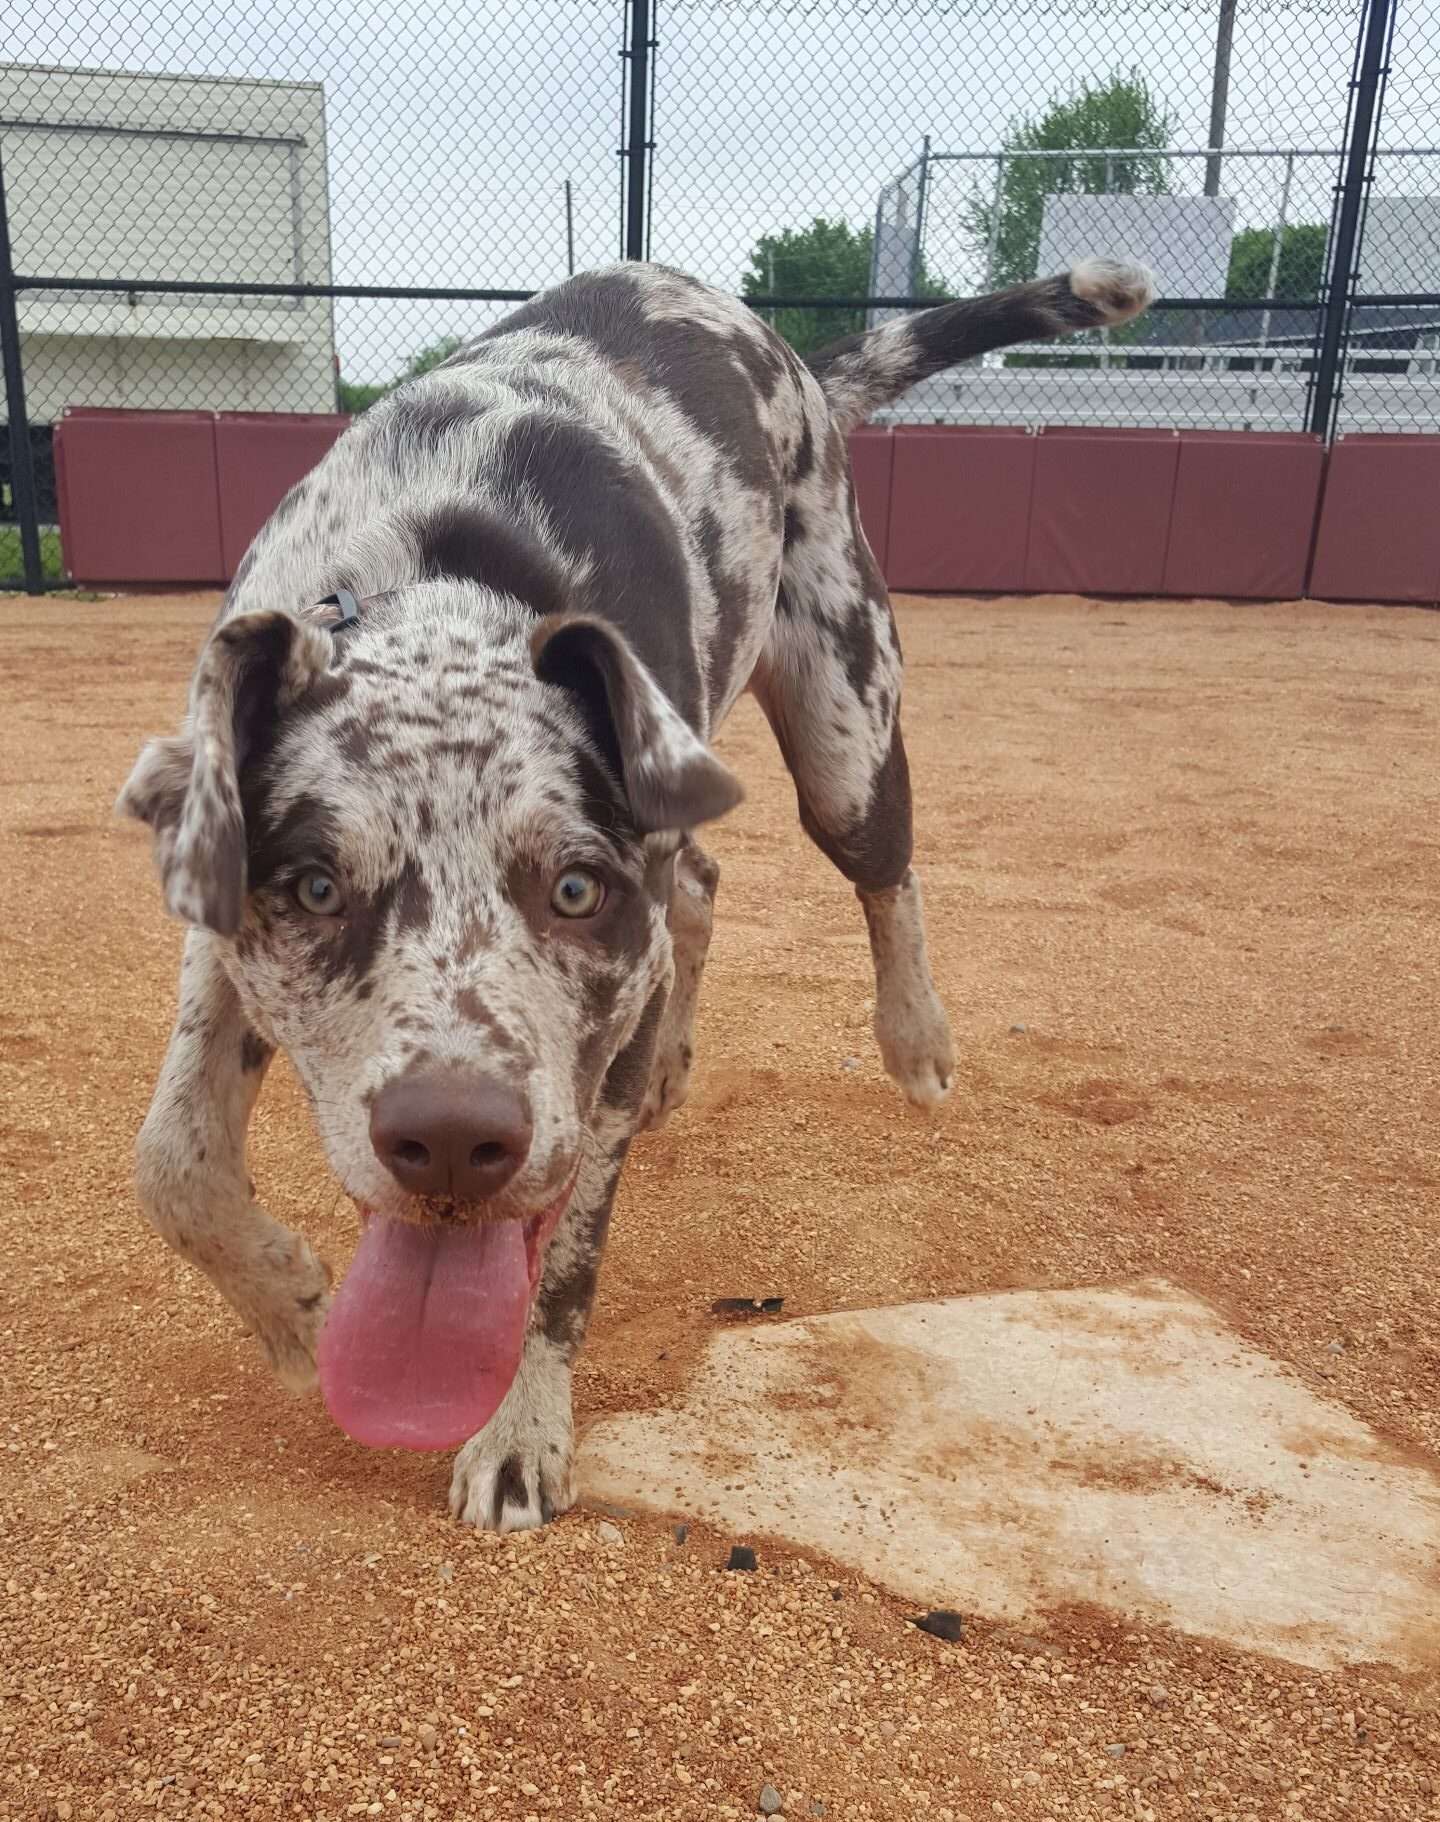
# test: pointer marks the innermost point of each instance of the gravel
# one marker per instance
(1132, 834)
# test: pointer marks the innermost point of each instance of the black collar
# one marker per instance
(349, 609)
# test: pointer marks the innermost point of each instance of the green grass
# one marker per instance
(12, 566)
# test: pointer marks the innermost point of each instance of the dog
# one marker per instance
(431, 819)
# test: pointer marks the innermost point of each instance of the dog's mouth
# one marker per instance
(425, 1334)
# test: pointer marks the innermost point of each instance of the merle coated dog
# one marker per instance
(438, 844)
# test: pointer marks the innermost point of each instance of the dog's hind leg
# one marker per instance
(192, 1180)
(829, 682)
(691, 918)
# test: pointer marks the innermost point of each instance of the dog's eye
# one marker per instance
(577, 893)
(318, 894)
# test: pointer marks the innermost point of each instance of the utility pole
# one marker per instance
(1219, 96)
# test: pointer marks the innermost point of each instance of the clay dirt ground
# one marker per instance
(1182, 865)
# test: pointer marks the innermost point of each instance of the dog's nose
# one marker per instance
(450, 1134)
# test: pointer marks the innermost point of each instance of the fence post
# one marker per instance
(872, 284)
(22, 460)
(1278, 247)
(638, 143)
(1367, 83)
(992, 240)
(1219, 95)
(917, 252)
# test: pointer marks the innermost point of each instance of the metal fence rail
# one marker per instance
(290, 205)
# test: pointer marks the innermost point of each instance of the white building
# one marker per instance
(110, 174)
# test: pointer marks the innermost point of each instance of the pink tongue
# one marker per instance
(424, 1336)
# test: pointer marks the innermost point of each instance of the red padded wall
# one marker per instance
(259, 457)
(175, 497)
(959, 508)
(1379, 534)
(137, 495)
(1100, 511)
(1244, 514)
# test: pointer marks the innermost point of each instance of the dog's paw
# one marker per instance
(288, 1312)
(516, 1489)
(910, 1023)
(519, 1471)
(916, 1047)
(669, 1087)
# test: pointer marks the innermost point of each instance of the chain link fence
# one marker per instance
(267, 206)
(1250, 259)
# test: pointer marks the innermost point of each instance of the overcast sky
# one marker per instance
(453, 128)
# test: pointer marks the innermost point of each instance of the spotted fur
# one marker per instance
(575, 544)
(864, 372)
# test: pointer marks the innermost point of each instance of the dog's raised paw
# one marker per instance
(668, 1091)
(288, 1321)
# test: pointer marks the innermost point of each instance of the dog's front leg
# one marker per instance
(192, 1178)
(519, 1471)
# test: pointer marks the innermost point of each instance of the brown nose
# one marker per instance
(450, 1134)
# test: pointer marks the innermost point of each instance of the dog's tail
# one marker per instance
(864, 372)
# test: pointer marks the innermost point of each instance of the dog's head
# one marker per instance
(436, 847)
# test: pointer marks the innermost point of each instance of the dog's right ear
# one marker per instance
(187, 787)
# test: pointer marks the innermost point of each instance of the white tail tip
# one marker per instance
(1116, 289)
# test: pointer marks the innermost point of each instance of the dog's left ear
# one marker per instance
(671, 779)
(187, 787)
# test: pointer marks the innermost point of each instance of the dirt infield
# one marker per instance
(1182, 864)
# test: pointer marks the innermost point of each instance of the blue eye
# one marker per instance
(318, 894)
(577, 893)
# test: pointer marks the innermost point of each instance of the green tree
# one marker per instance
(1301, 268)
(1121, 112)
(432, 355)
(358, 395)
(827, 259)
